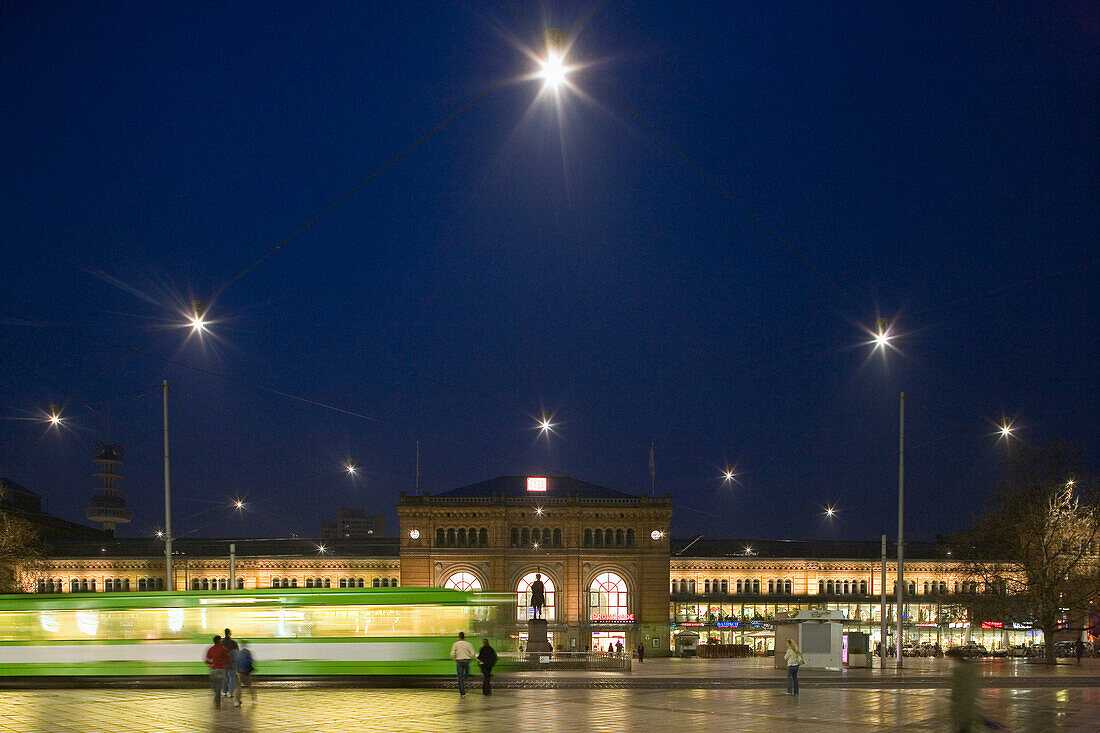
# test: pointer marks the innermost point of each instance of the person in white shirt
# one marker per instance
(793, 657)
(462, 652)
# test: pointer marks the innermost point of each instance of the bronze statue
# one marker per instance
(538, 597)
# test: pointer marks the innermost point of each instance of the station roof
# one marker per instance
(811, 549)
(219, 547)
(518, 487)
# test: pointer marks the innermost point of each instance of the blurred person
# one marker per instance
(641, 653)
(486, 658)
(462, 652)
(230, 645)
(217, 659)
(245, 667)
(794, 660)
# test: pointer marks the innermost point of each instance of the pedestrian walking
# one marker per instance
(486, 658)
(462, 652)
(619, 648)
(641, 653)
(245, 666)
(794, 660)
(230, 645)
(1079, 649)
(217, 659)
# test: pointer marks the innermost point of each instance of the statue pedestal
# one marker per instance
(536, 637)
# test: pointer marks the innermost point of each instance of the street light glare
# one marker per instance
(350, 468)
(830, 511)
(553, 70)
(1006, 429)
(538, 511)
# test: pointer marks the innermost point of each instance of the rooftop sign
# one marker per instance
(536, 483)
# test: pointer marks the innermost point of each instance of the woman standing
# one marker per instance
(793, 657)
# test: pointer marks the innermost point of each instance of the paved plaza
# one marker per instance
(661, 695)
(349, 710)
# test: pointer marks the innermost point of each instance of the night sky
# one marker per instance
(685, 251)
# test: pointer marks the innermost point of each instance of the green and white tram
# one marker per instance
(292, 632)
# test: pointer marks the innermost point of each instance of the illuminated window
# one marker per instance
(523, 597)
(463, 581)
(608, 595)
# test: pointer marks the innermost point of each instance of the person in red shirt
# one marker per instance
(217, 659)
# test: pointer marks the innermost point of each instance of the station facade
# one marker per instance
(611, 573)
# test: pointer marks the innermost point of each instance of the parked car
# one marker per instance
(929, 649)
(1018, 651)
(968, 651)
(1068, 649)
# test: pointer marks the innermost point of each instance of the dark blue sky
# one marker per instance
(934, 164)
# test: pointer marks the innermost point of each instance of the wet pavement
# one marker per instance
(350, 710)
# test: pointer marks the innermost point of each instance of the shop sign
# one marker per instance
(959, 625)
(686, 623)
(1018, 626)
(927, 625)
(619, 618)
(992, 624)
(727, 624)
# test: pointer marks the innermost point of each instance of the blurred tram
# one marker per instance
(292, 632)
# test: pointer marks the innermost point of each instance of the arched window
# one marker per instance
(847, 588)
(912, 589)
(706, 586)
(725, 586)
(196, 586)
(608, 597)
(441, 537)
(524, 537)
(513, 537)
(618, 538)
(863, 587)
(343, 582)
(598, 536)
(739, 586)
(771, 586)
(588, 538)
(205, 584)
(327, 582)
(483, 537)
(630, 538)
(787, 586)
(821, 587)
(523, 597)
(557, 537)
(691, 586)
(674, 586)
(756, 587)
(141, 585)
(546, 536)
(451, 537)
(293, 583)
(376, 583)
(462, 581)
(309, 582)
(462, 537)
(361, 582)
(393, 582)
(927, 587)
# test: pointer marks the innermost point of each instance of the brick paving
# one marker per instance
(559, 710)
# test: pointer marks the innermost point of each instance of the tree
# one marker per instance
(21, 549)
(1035, 549)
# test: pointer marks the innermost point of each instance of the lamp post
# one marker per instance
(167, 499)
(901, 520)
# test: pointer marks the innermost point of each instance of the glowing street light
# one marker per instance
(349, 466)
(198, 316)
(1006, 429)
(882, 334)
(830, 511)
(553, 67)
(322, 549)
(544, 425)
(728, 476)
(55, 416)
(539, 511)
(239, 503)
(160, 534)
